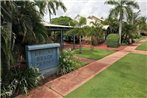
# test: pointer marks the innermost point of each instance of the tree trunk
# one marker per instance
(120, 30)
(73, 41)
(120, 27)
(80, 45)
(91, 42)
(50, 17)
(9, 44)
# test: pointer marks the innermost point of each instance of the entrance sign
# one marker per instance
(44, 56)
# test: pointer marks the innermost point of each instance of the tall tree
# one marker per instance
(121, 9)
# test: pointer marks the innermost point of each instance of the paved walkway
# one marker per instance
(63, 85)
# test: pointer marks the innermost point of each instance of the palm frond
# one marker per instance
(112, 2)
(54, 5)
(61, 5)
(128, 11)
(133, 4)
(114, 12)
(122, 2)
(41, 5)
(51, 7)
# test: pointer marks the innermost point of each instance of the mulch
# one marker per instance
(100, 46)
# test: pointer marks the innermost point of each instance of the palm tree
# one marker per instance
(122, 8)
(95, 31)
(79, 29)
(129, 32)
(25, 28)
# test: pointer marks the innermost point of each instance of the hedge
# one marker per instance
(112, 40)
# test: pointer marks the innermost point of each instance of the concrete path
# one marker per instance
(139, 52)
(63, 85)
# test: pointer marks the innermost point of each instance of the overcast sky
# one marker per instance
(91, 7)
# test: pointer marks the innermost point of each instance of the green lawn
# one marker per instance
(143, 46)
(126, 78)
(95, 54)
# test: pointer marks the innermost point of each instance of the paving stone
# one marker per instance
(71, 81)
(41, 92)
(139, 52)
(112, 58)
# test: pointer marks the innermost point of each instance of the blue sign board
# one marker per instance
(44, 56)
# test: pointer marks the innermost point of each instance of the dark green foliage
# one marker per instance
(96, 34)
(113, 25)
(21, 25)
(62, 20)
(67, 62)
(7, 48)
(112, 40)
(79, 29)
(129, 33)
(142, 23)
(18, 81)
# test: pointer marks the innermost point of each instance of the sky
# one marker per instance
(87, 8)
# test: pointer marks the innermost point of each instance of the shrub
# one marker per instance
(112, 40)
(19, 81)
(67, 62)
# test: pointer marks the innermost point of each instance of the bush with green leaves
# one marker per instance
(112, 40)
(67, 62)
(129, 33)
(19, 81)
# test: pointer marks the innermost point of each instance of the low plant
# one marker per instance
(67, 62)
(112, 40)
(19, 81)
